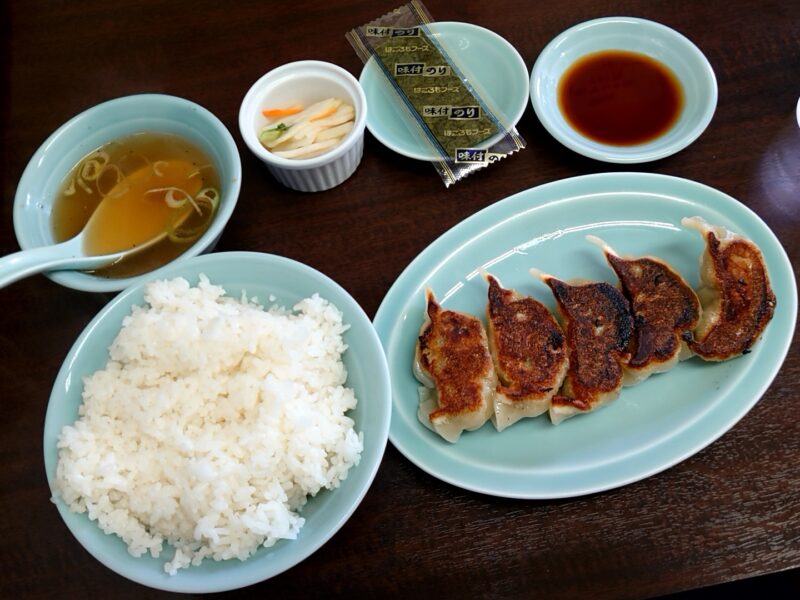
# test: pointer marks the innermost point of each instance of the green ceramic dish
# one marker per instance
(38, 187)
(657, 41)
(492, 64)
(651, 426)
(260, 275)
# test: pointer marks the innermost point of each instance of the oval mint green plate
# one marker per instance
(491, 64)
(262, 276)
(651, 426)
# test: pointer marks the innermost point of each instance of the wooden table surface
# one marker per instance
(728, 513)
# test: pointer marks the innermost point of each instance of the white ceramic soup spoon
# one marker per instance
(79, 253)
(66, 255)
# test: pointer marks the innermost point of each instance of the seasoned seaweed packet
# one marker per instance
(444, 108)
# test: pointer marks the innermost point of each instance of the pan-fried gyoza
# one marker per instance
(453, 363)
(528, 364)
(529, 352)
(738, 301)
(664, 308)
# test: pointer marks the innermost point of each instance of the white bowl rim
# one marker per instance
(87, 282)
(249, 135)
(798, 112)
(625, 154)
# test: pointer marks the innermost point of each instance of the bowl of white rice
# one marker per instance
(213, 428)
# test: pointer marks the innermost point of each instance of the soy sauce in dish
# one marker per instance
(620, 98)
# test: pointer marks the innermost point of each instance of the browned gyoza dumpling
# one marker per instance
(664, 309)
(597, 325)
(529, 352)
(738, 301)
(452, 360)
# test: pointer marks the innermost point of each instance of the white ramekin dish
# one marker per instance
(305, 82)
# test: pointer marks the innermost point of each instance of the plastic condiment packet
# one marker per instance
(446, 111)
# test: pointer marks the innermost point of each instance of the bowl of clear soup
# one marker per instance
(153, 172)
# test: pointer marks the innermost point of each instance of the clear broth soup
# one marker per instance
(147, 185)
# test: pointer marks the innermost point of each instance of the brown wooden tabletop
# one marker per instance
(730, 512)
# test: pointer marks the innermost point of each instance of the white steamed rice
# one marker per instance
(211, 424)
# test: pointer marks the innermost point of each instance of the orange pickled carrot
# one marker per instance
(324, 113)
(282, 112)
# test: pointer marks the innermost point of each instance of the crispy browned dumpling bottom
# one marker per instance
(529, 352)
(738, 301)
(598, 326)
(453, 360)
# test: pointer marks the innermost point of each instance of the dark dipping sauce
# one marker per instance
(620, 98)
